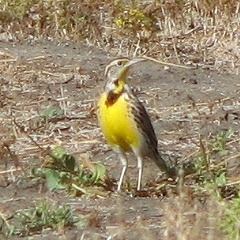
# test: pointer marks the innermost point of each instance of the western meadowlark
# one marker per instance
(124, 120)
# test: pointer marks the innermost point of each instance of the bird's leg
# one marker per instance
(124, 161)
(139, 166)
(140, 170)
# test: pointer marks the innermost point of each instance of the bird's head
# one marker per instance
(116, 73)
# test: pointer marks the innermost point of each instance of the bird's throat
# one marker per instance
(112, 97)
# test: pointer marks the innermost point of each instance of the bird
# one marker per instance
(125, 122)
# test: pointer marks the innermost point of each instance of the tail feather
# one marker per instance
(170, 171)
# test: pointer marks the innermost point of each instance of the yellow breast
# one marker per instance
(117, 124)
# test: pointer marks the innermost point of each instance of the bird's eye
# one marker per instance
(119, 63)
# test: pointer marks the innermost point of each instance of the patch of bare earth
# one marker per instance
(183, 104)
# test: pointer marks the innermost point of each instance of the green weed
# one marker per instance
(62, 171)
(42, 216)
(230, 222)
(210, 166)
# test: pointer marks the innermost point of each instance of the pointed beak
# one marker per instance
(133, 61)
(126, 67)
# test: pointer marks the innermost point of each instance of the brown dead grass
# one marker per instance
(202, 33)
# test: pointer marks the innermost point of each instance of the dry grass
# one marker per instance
(202, 33)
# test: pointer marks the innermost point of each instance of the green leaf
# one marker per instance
(99, 173)
(58, 152)
(69, 162)
(223, 152)
(53, 179)
(83, 221)
(221, 179)
(52, 112)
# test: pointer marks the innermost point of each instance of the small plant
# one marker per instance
(132, 18)
(219, 144)
(44, 215)
(230, 222)
(210, 167)
(52, 113)
(62, 172)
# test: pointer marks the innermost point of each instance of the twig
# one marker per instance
(166, 63)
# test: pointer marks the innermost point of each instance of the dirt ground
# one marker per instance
(183, 104)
